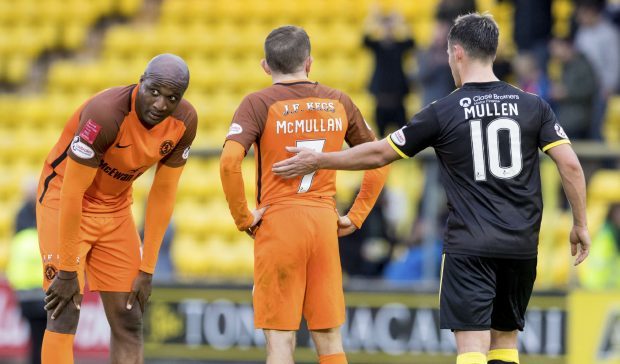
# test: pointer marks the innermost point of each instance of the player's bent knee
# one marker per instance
(126, 323)
(66, 322)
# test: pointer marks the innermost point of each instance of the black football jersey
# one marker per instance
(487, 138)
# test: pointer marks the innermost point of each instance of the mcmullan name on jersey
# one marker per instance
(490, 109)
(308, 125)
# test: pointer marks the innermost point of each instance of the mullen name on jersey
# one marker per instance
(489, 105)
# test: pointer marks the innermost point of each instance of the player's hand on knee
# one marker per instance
(140, 290)
(64, 289)
(580, 243)
(258, 216)
(345, 226)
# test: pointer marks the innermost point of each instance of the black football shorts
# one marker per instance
(479, 293)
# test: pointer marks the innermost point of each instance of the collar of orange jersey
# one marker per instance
(296, 82)
(133, 114)
(134, 94)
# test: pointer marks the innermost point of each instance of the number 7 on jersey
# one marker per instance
(317, 146)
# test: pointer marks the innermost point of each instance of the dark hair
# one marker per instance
(286, 49)
(477, 33)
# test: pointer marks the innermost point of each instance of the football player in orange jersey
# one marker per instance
(296, 260)
(84, 204)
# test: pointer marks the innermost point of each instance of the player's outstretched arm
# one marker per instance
(574, 185)
(363, 156)
(232, 183)
(65, 287)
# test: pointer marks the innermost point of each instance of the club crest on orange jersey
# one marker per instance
(50, 272)
(166, 147)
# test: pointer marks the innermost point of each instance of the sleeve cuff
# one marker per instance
(400, 152)
(146, 269)
(68, 268)
(355, 220)
(247, 223)
(555, 144)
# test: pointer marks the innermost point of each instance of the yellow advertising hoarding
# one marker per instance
(593, 327)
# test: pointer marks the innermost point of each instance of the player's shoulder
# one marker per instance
(526, 96)
(185, 112)
(114, 99)
(265, 95)
(109, 107)
(332, 93)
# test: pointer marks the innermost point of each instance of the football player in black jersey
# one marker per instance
(487, 135)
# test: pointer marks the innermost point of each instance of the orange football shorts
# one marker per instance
(109, 251)
(297, 269)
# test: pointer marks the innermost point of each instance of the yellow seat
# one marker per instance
(605, 186)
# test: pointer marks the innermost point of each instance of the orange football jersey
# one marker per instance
(105, 133)
(303, 114)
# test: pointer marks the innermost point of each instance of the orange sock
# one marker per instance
(338, 358)
(57, 348)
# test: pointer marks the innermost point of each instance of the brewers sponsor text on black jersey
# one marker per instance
(486, 137)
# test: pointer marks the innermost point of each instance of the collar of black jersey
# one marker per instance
(479, 85)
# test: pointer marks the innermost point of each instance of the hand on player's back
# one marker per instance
(64, 289)
(345, 226)
(580, 243)
(304, 162)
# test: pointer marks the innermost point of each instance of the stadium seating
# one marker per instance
(222, 43)
(31, 27)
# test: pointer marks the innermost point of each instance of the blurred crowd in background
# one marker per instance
(389, 55)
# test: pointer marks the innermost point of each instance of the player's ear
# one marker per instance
(263, 63)
(308, 65)
(459, 52)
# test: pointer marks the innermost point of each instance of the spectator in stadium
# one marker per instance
(530, 77)
(433, 74)
(598, 40)
(532, 21)
(367, 251)
(24, 275)
(24, 270)
(26, 215)
(84, 205)
(388, 38)
(495, 208)
(573, 95)
(296, 264)
(411, 264)
(602, 270)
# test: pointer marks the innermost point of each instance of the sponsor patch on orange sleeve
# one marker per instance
(90, 131)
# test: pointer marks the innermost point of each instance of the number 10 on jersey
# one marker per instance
(492, 138)
(317, 146)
